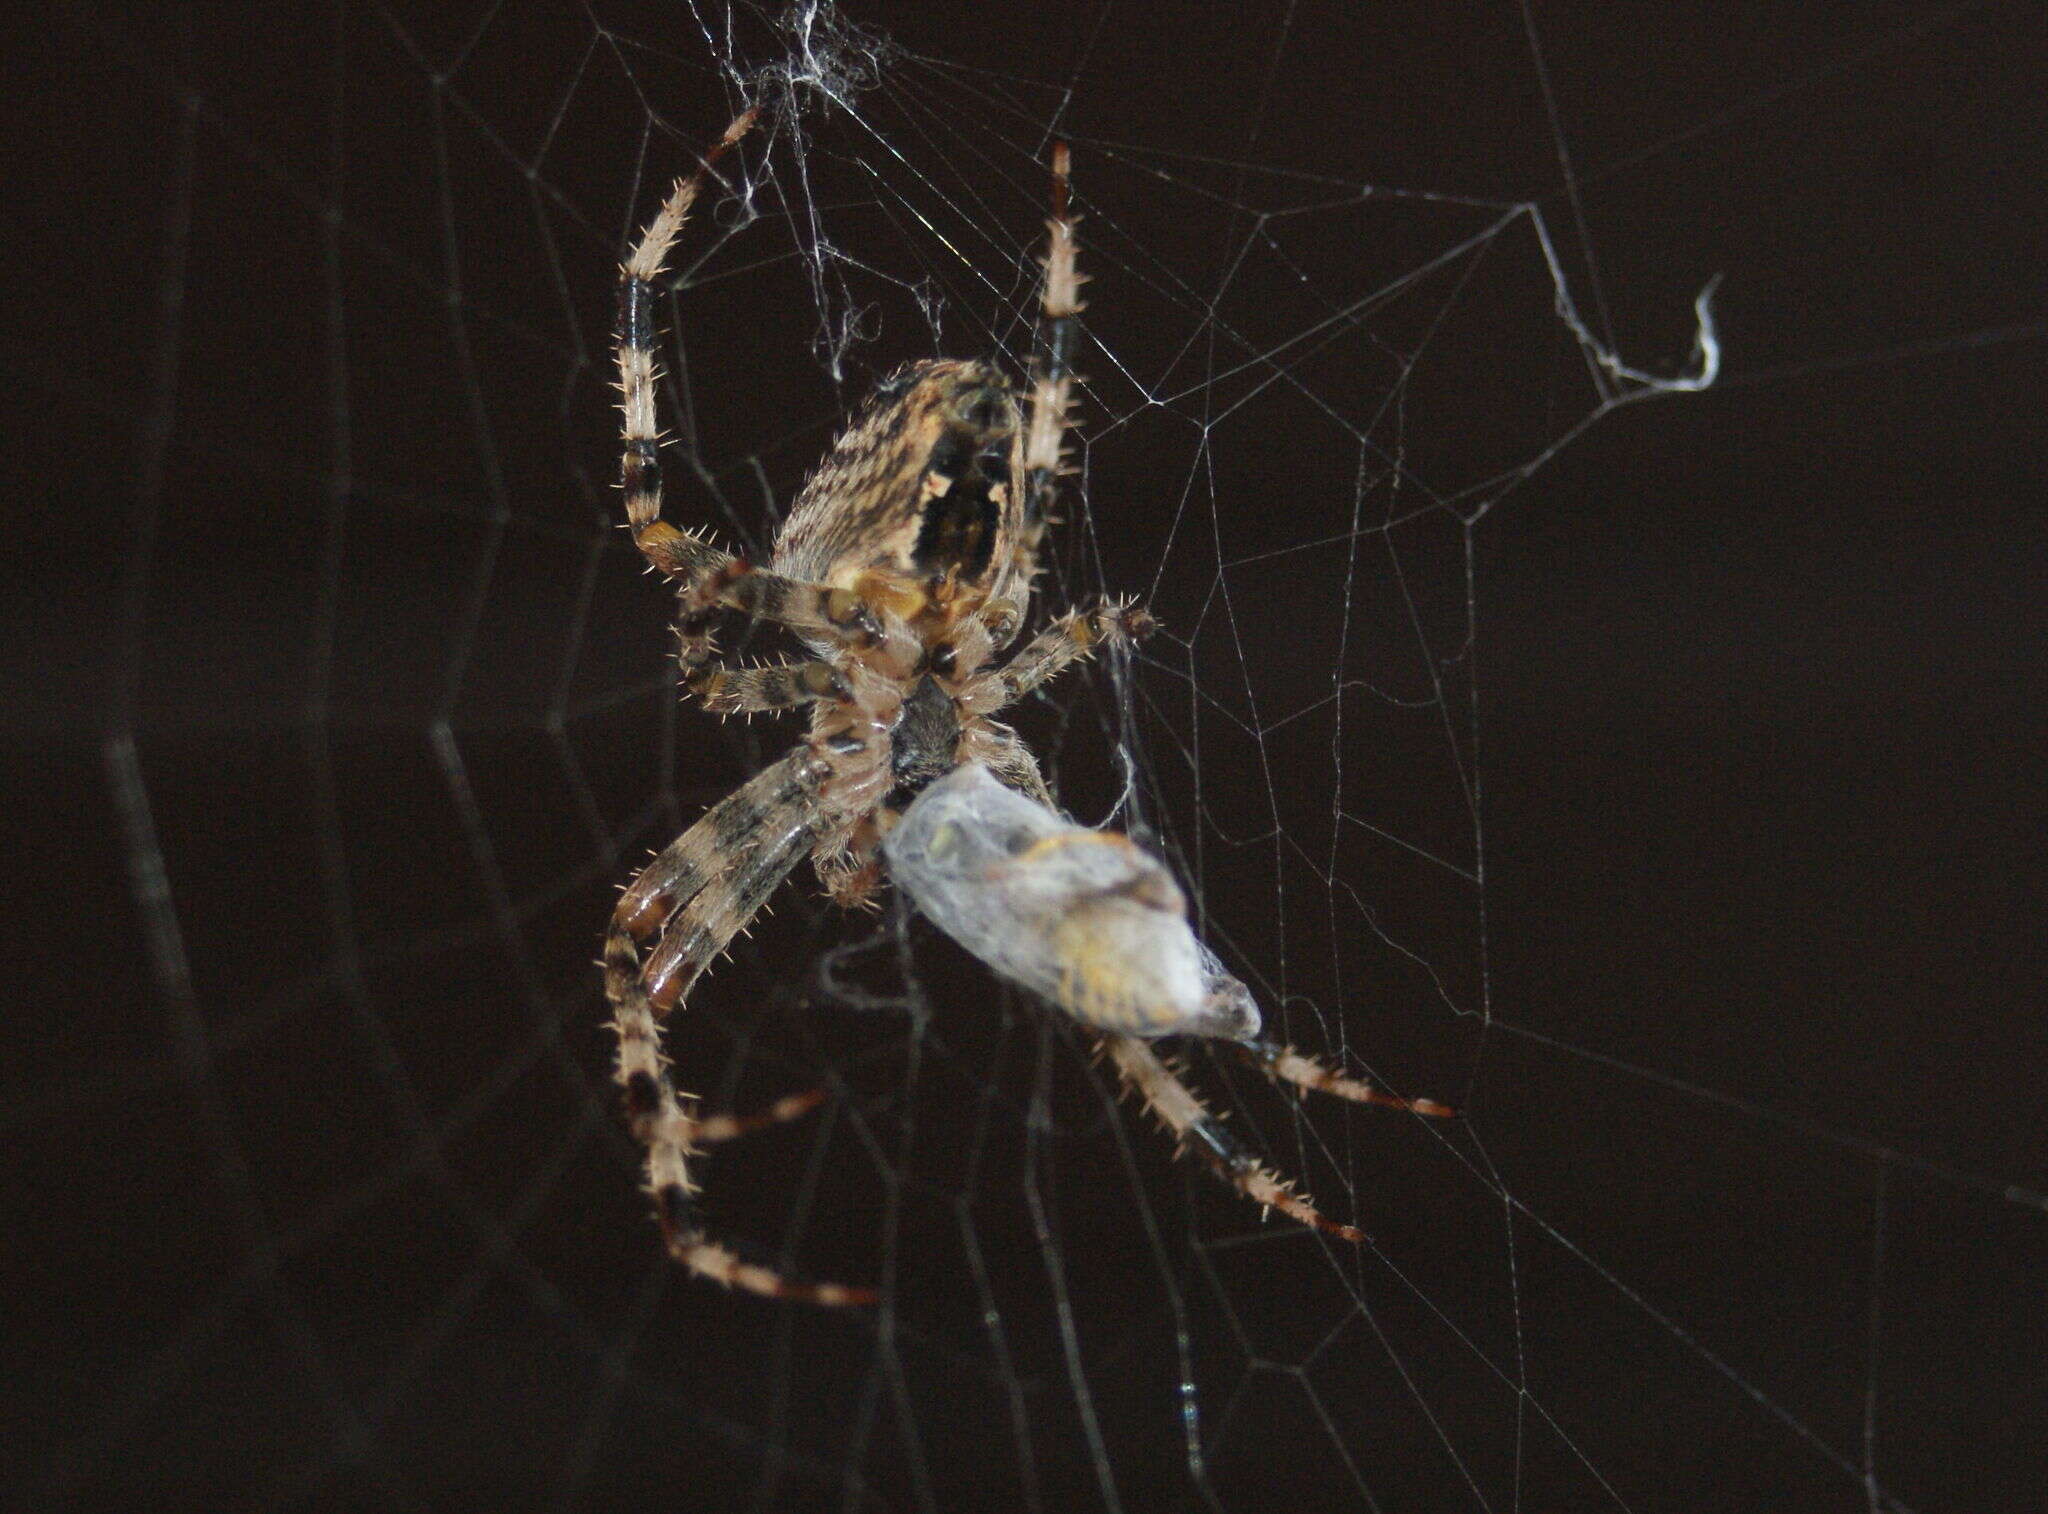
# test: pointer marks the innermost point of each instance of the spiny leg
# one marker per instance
(1003, 752)
(1196, 1129)
(674, 552)
(697, 934)
(750, 691)
(1052, 383)
(757, 823)
(709, 577)
(712, 1129)
(1287, 1065)
(710, 580)
(702, 569)
(1079, 633)
(694, 859)
(1052, 651)
(670, 1138)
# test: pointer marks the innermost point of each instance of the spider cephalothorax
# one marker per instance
(904, 569)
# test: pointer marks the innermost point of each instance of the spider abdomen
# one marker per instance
(920, 484)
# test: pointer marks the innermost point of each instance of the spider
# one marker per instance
(905, 569)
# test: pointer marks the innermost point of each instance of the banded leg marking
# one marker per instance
(1196, 1129)
(1059, 646)
(751, 691)
(697, 898)
(1285, 1064)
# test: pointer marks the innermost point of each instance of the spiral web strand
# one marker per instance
(390, 713)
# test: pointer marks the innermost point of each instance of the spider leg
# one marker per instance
(1195, 1128)
(850, 868)
(674, 552)
(749, 691)
(699, 901)
(1055, 649)
(671, 1137)
(1286, 1065)
(1003, 752)
(709, 577)
(689, 863)
(1042, 453)
(698, 933)
(712, 1129)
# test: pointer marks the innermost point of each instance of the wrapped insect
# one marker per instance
(1086, 919)
(1095, 925)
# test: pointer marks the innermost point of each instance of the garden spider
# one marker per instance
(905, 568)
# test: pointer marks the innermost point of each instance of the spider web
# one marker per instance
(1630, 763)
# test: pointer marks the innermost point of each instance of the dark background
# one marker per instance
(336, 709)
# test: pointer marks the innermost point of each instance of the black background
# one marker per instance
(1751, 1187)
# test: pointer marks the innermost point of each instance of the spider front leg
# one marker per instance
(1042, 448)
(710, 579)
